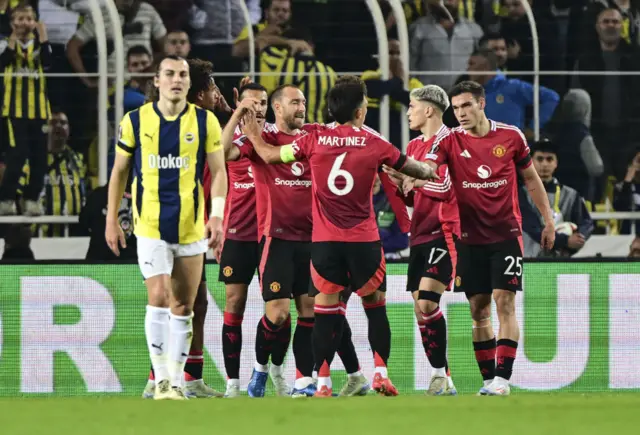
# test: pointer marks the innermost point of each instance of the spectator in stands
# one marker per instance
(392, 237)
(626, 196)
(177, 44)
(515, 28)
(634, 249)
(439, 44)
(17, 241)
(303, 69)
(64, 190)
(138, 61)
(616, 107)
(578, 147)
(214, 28)
(394, 88)
(175, 14)
(507, 99)
(93, 220)
(25, 107)
(565, 201)
(497, 43)
(141, 26)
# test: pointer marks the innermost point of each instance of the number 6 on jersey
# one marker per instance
(335, 173)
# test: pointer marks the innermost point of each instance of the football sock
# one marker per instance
(486, 358)
(193, 367)
(281, 342)
(302, 347)
(327, 332)
(156, 328)
(436, 334)
(379, 329)
(347, 351)
(180, 334)
(505, 356)
(265, 337)
(232, 344)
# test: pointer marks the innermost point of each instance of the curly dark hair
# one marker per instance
(201, 74)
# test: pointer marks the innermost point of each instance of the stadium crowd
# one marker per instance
(588, 157)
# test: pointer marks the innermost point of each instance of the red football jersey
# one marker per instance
(287, 197)
(435, 210)
(344, 162)
(483, 175)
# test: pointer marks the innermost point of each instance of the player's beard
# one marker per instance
(293, 122)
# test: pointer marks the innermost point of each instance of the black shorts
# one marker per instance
(484, 268)
(429, 260)
(238, 262)
(338, 265)
(284, 268)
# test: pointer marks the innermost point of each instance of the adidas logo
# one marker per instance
(433, 270)
(514, 281)
(465, 154)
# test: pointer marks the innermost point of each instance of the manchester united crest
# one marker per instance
(458, 281)
(227, 271)
(499, 151)
(275, 287)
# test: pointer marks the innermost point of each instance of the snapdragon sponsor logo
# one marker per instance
(293, 183)
(484, 184)
(168, 162)
(241, 186)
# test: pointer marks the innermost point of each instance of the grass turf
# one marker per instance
(521, 414)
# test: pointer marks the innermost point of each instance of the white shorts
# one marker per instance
(155, 257)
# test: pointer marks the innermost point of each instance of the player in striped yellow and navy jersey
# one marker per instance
(169, 141)
(25, 107)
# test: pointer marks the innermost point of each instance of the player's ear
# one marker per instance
(482, 102)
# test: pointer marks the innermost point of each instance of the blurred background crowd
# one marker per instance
(588, 156)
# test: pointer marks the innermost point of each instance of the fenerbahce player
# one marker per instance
(482, 157)
(169, 141)
(344, 158)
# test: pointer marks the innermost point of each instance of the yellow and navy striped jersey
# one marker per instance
(244, 33)
(64, 190)
(25, 95)
(314, 79)
(272, 59)
(169, 155)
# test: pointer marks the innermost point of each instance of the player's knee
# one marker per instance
(304, 306)
(428, 301)
(505, 303)
(480, 312)
(375, 297)
(235, 302)
(277, 311)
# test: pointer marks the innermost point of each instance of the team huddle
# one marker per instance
(299, 212)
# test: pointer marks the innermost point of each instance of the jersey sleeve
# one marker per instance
(245, 147)
(439, 190)
(214, 134)
(126, 143)
(522, 156)
(300, 149)
(390, 155)
(438, 152)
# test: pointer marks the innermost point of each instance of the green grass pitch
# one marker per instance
(520, 414)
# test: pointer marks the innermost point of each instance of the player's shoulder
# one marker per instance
(446, 134)
(313, 126)
(508, 131)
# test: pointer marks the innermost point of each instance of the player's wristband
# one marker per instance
(217, 207)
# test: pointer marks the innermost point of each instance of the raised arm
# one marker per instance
(217, 167)
(269, 153)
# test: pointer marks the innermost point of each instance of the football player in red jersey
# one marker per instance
(205, 93)
(434, 226)
(284, 216)
(482, 157)
(344, 158)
